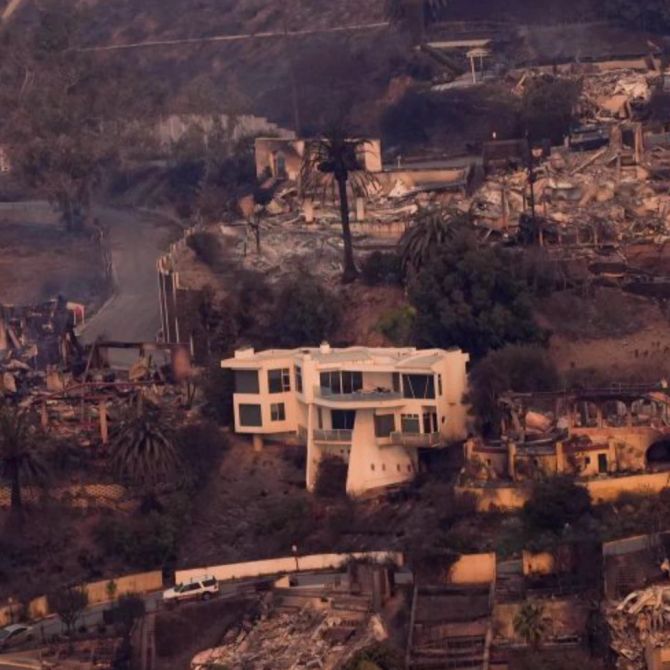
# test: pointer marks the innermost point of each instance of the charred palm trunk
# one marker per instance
(350, 272)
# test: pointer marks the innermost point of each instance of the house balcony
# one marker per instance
(338, 436)
(364, 398)
(415, 439)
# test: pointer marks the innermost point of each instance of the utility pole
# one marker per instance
(291, 67)
(531, 183)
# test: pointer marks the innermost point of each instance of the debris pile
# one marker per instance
(308, 638)
(639, 622)
(616, 95)
(36, 339)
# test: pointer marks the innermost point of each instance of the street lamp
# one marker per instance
(294, 549)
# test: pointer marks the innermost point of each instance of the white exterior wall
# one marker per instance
(266, 399)
(450, 404)
(373, 462)
(372, 466)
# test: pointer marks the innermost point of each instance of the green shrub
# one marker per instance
(397, 325)
(146, 542)
(306, 313)
(201, 446)
(554, 504)
(380, 655)
(331, 479)
(217, 387)
(519, 368)
(468, 297)
(207, 248)
(381, 268)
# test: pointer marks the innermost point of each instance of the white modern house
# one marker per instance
(372, 407)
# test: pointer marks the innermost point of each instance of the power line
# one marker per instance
(234, 38)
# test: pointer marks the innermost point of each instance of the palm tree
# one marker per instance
(430, 230)
(417, 14)
(19, 459)
(529, 623)
(333, 164)
(141, 452)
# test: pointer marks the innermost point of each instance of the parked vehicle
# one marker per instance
(15, 634)
(202, 588)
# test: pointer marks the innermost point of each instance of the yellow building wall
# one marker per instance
(473, 569)
(601, 490)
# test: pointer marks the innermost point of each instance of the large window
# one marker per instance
(250, 415)
(246, 381)
(343, 419)
(384, 425)
(340, 381)
(298, 379)
(409, 423)
(278, 412)
(418, 386)
(279, 381)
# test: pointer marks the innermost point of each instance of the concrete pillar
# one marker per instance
(258, 442)
(560, 458)
(511, 460)
(599, 415)
(612, 460)
(360, 209)
(313, 452)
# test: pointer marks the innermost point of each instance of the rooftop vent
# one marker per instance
(325, 348)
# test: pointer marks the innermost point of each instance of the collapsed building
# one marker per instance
(587, 433)
(320, 625)
(636, 606)
(77, 389)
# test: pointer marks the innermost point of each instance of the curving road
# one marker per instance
(137, 240)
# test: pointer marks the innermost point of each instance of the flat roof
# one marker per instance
(401, 357)
(461, 44)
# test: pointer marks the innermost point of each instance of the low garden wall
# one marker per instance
(603, 490)
(274, 566)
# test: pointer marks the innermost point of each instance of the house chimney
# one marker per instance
(324, 348)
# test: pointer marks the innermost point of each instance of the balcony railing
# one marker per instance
(340, 435)
(357, 396)
(416, 439)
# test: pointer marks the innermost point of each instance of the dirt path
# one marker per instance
(137, 240)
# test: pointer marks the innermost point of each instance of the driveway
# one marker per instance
(137, 240)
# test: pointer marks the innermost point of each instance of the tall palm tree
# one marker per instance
(416, 14)
(19, 459)
(141, 451)
(333, 163)
(529, 623)
(430, 230)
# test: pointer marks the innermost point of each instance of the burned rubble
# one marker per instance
(75, 388)
(638, 625)
(312, 632)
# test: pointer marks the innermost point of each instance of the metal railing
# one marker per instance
(338, 435)
(416, 439)
(357, 396)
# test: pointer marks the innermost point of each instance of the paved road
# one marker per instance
(137, 240)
